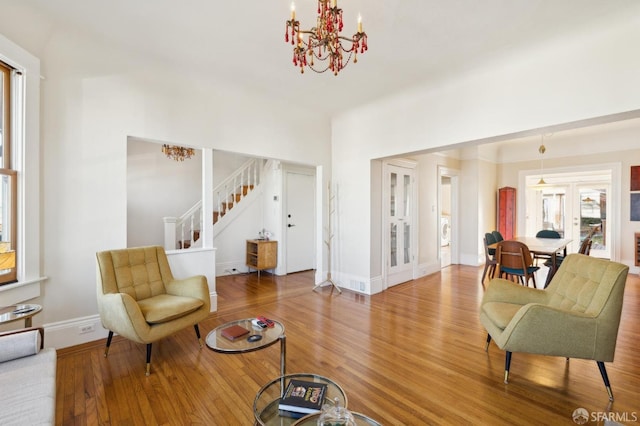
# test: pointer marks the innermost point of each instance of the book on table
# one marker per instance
(302, 397)
(234, 332)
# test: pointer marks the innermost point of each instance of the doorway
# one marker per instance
(575, 204)
(445, 221)
(299, 220)
(447, 216)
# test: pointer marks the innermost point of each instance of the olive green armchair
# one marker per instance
(139, 299)
(576, 316)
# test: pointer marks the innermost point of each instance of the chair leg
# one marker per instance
(507, 365)
(148, 371)
(605, 378)
(195, 326)
(486, 346)
(106, 349)
(484, 272)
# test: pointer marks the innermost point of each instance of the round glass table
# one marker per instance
(265, 406)
(361, 420)
(18, 312)
(267, 337)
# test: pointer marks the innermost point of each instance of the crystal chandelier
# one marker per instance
(178, 153)
(324, 42)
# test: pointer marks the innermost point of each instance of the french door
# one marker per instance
(575, 210)
(400, 206)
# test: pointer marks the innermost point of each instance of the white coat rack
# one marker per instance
(328, 242)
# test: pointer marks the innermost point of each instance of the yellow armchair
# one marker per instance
(139, 299)
(576, 316)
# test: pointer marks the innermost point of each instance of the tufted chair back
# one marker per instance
(587, 285)
(139, 272)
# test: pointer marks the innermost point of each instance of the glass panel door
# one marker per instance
(592, 200)
(400, 249)
(573, 209)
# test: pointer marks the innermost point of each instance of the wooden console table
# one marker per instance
(262, 254)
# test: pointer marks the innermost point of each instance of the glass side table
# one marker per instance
(18, 312)
(265, 406)
(268, 336)
(361, 420)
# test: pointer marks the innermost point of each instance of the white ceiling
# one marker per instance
(241, 42)
(411, 42)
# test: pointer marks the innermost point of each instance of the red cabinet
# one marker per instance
(507, 212)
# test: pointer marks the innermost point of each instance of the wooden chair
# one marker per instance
(545, 233)
(514, 260)
(585, 248)
(490, 260)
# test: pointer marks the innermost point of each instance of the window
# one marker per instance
(8, 181)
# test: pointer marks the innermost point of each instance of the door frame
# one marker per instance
(454, 175)
(614, 202)
(408, 164)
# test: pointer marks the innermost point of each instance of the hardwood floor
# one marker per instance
(411, 355)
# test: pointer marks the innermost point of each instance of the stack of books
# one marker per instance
(301, 398)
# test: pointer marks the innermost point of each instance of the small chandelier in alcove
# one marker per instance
(178, 153)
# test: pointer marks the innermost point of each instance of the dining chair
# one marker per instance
(498, 236)
(585, 248)
(514, 260)
(490, 260)
(545, 233)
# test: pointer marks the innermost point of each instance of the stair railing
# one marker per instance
(189, 226)
(237, 185)
(230, 191)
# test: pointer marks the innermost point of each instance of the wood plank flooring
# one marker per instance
(411, 355)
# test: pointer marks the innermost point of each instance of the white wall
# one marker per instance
(158, 187)
(578, 78)
(225, 163)
(94, 98)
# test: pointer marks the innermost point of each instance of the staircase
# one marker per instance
(229, 193)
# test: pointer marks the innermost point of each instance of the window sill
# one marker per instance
(11, 294)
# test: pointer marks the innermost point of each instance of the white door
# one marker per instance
(400, 204)
(299, 221)
(575, 210)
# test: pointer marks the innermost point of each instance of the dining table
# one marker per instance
(544, 246)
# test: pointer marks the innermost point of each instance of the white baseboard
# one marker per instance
(231, 268)
(73, 332)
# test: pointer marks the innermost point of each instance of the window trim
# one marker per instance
(7, 73)
(26, 143)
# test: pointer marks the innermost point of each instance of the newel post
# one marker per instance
(170, 232)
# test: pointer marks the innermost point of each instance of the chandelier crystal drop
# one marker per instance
(323, 42)
(178, 153)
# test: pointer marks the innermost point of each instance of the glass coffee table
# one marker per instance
(361, 420)
(268, 336)
(18, 312)
(265, 406)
